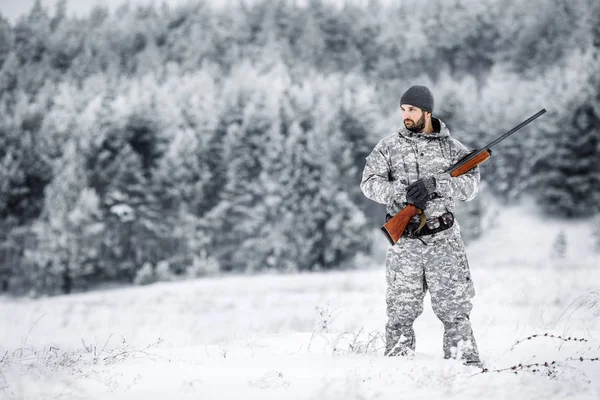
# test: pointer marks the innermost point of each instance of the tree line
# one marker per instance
(162, 142)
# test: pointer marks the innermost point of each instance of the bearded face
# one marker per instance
(415, 126)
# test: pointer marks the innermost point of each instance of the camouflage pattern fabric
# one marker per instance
(441, 267)
(437, 262)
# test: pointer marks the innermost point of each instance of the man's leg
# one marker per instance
(404, 297)
(449, 281)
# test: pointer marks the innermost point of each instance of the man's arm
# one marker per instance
(376, 184)
(464, 187)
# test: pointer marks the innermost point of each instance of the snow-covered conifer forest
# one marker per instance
(179, 196)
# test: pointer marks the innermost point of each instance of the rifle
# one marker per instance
(394, 228)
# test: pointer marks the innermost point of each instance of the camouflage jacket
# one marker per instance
(404, 157)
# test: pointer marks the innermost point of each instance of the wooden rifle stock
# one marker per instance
(394, 228)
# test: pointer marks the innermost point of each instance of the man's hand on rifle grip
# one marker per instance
(420, 192)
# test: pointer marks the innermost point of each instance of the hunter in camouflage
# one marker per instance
(407, 167)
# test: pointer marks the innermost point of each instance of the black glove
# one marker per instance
(420, 192)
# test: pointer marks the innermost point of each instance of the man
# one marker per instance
(407, 167)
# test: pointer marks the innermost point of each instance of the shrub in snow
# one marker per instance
(145, 275)
(596, 232)
(163, 271)
(559, 247)
(203, 265)
(359, 342)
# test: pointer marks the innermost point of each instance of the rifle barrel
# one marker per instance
(495, 142)
(513, 130)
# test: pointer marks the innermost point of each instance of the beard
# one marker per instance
(415, 127)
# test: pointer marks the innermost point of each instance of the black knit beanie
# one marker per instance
(418, 96)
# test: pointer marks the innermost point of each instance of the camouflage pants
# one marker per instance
(441, 267)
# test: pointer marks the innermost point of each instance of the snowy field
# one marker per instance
(318, 336)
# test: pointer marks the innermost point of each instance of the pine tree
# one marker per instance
(25, 170)
(546, 33)
(121, 159)
(469, 39)
(251, 104)
(568, 181)
(322, 226)
(270, 243)
(68, 234)
(357, 121)
(241, 194)
(181, 180)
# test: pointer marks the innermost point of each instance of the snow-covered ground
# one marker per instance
(318, 336)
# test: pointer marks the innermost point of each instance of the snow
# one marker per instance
(320, 335)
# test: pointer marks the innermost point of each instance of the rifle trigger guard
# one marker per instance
(423, 220)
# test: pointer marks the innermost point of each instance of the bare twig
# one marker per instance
(135, 380)
(550, 367)
(127, 351)
(104, 347)
(31, 329)
(565, 339)
(520, 367)
(583, 359)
